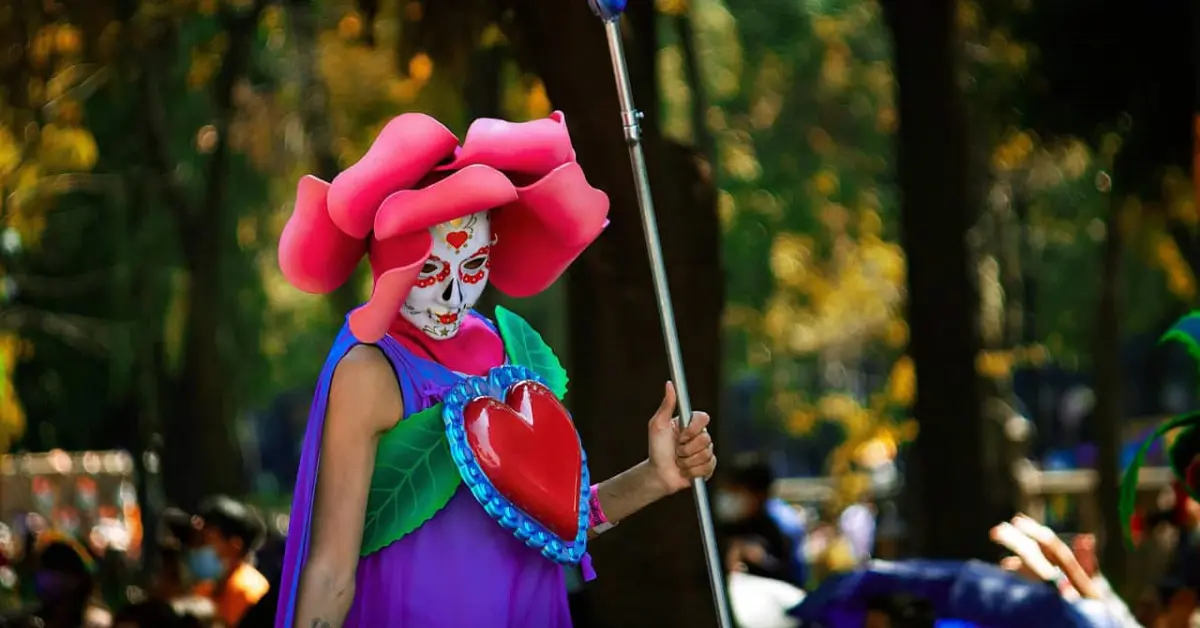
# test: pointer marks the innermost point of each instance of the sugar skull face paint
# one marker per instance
(453, 277)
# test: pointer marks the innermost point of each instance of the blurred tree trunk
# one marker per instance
(304, 20)
(996, 255)
(686, 32)
(1196, 101)
(204, 425)
(200, 432)
(618, 365)
(483, 82)
(482, 98)
(1107, 361)
(950, 506)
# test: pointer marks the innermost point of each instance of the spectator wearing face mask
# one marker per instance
(63, 584)
(221, 562)
(765, 535)
(176, 535)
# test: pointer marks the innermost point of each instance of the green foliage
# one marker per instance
(1186, 331)
(803, 118)
(169, 198)
(196, 153)
(1056, 149)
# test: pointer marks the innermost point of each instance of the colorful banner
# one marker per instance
(89, 496)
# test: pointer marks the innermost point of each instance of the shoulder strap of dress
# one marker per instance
(406, 370)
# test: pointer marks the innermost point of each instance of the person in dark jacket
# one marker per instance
(763, 536)
(270, 563)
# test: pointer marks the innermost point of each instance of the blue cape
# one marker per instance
(963, 595)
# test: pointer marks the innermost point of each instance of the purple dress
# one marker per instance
(459, 569)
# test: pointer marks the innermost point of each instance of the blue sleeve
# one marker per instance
(791, 524)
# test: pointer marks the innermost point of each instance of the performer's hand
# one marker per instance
(679, 455)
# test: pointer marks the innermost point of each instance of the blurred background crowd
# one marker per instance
(996, 199)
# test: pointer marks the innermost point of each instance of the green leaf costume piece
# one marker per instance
(525, 347)
(1186, 445)
(414, 475)
(414, 478)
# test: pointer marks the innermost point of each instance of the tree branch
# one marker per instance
(57, 287)
(86, 334)
(314, 102)
(314, 118)
(63, 184)
(157, 140)
(240, 27)
(370, 12)
(82, 89)
(702, 139)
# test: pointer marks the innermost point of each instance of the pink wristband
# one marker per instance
(596, 519)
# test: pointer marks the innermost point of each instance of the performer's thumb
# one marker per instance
(666, 410)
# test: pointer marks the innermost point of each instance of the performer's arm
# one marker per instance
(364, 401)
(676, 458)
(627, 493)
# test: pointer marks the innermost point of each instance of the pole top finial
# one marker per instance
(608, 10)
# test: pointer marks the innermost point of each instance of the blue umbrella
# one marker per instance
(962, 595)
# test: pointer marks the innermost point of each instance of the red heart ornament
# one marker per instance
(457, 239)
(528, 448)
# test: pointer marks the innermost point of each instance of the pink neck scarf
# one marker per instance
(473, 350)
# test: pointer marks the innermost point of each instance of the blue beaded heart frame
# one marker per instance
(498, 507)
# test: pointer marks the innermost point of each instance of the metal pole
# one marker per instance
(610, 12)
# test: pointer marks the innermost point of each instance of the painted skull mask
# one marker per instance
(453, 278)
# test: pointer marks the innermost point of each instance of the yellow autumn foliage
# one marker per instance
(43, 148)
(1013, 152)
(671, 7)
(67, 149)
(12, 415)
(902, 384)
(10, 152)
(838, 285)
(1166, 255)
(853, 297)
(29, 165)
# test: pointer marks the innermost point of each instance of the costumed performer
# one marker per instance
(1183, 451)
(441, 483)
(1182, 432)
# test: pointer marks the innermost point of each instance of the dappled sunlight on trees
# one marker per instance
(803, 116)
(169, 141)
(1057, 191)
(182, 109)
(12, 415)
(366, 73)
(45, 152)
(801, 107)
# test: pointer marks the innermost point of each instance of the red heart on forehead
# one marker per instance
(528, 448)
(457, 239)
